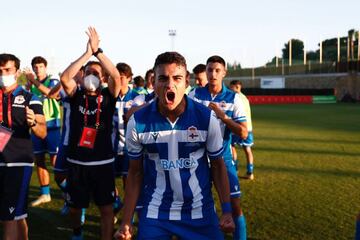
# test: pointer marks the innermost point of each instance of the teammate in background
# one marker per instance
(247, 143)
(41, 85)
(123, 103)
(149, 79)
(230, 112)
(173, 137)
(189, 87)
(90, 152)
(139, 84)
(200, 75)
(20, 112)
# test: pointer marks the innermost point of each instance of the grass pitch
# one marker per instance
(307, 177)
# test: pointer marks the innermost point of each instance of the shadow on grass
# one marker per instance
(308, 140)
(335, 172)
(46, 222)
(307, 151)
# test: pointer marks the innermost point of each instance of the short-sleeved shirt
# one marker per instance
(102, 152)
(123, 104)
(229, 102)
(51, 107)
(18, 151)
(247, 108)
(177, 181)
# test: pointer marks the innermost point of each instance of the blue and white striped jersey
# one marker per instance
(123, 104)
(177, 179)
(65, 130)
(230, 103)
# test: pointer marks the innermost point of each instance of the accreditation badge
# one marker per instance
(88, 137)
(5, 135)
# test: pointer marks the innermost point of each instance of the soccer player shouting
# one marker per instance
(168, 143)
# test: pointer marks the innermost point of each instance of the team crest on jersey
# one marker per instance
(101, 99)
(192, 134)
(155, 135)
(19, 99)
(222, 105)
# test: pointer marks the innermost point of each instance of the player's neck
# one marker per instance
(214, 89)
(173, 114)
(42, 78)
(9, 89)
(91, 93)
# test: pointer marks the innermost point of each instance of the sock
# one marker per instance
(62, 185)
(45, 190)
(83, 215)
(357, 232)
(250, 168)
(117, 205)
(240, 228)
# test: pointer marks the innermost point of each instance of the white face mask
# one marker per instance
(6, 81)
(91, 82)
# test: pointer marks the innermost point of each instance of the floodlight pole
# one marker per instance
(290, 52)
(338, 49)
(172, 34)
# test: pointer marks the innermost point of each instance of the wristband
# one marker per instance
(226, 207)
(97, 52)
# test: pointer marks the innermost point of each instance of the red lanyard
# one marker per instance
(97, 124)
(8, 107)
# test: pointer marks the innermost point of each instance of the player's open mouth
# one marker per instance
(170, 96)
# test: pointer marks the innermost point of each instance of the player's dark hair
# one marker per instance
(147, 74)
(169, 58)
(216, 59)
(139, 81)
(199, 68)
(5, 57)
(38, 60)
(124, 68)
(235, 82)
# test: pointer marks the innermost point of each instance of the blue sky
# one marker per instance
(249, 32)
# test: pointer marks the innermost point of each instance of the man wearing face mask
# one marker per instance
(20, 111)
(90, 153)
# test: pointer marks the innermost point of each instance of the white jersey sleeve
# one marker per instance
(239, 113)
(132, 140)
(214, 142)
(139, 100)
(192, 94)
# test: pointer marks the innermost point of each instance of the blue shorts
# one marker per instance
(235, 139)
(48, 145)
(14, 190)
(199, 229)
(61, 164)
(121, 165)
(233, 179)
(248, 142)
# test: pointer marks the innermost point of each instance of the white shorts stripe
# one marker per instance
(93, 163)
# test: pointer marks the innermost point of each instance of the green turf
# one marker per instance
(307, 177)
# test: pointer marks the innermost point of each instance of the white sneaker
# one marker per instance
(44, 198)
